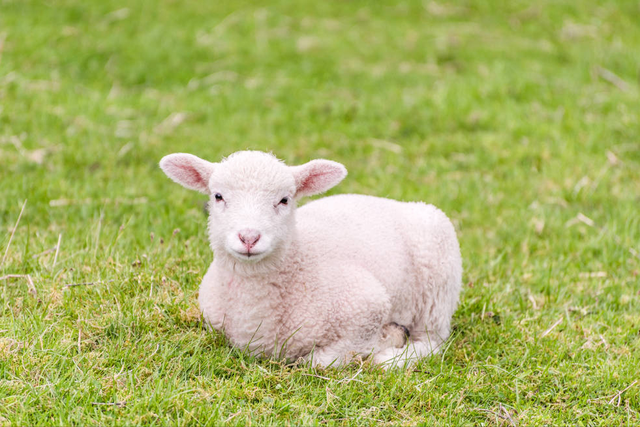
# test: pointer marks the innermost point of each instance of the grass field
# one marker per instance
(521, 121)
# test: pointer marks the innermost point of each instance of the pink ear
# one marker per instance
(188, 170)
(317, 176)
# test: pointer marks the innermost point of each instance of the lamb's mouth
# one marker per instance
(248, 255)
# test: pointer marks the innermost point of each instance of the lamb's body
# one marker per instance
(341, 276)
(355, 263)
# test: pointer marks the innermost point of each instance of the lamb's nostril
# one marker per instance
(249, 238)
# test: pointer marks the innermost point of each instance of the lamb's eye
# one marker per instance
(218, 197)
(284, 201)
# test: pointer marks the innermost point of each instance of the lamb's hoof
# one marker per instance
(406, 332)
(395, 335)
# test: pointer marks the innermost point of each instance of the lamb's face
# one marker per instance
(252, 197)
(252, 206)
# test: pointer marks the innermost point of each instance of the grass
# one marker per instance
(520, 121)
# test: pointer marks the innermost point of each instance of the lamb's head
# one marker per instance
(252, 197)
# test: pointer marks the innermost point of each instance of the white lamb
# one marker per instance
(341, 276)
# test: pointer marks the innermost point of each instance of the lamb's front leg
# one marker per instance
(354, 318)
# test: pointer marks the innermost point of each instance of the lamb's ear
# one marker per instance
(317, 176)
(188, 170)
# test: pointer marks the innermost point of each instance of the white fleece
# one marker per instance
(328, 279)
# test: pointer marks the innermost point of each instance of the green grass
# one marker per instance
(520, 121)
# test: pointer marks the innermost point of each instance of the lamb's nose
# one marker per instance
(249, 237)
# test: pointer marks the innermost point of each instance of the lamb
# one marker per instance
(342, 276)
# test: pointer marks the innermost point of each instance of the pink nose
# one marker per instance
(249, 237)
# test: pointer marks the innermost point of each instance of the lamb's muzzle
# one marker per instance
(249, 238)
(323, 281)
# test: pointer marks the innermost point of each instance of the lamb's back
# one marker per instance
(384, 236)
